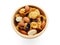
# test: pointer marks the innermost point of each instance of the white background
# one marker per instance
(50, 37)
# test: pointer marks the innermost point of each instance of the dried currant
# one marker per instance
(27, 27)
(35, 20)
(41, 18)
(31, 19)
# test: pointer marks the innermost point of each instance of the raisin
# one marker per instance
(27, 14)
(41, 18)
(27, 27)
(35, 20)
(31, 20)
(38, 30)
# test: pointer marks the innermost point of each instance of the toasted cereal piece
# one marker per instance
(32, 32)
(18, 19)
(32, 9)
(17, 27)
(26, 19)
(44, 17)
(39, 25)
(17, 15)
(34, 14)
(22, 11)
(38, 12)
(39, 19)
(34, 25)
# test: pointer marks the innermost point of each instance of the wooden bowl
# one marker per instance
(27, 36)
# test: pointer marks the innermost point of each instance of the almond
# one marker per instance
(27, 8)
(26, 19)
(21, 23)
(23, 32)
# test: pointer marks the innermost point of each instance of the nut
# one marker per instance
(27, 8)
(25, 25)
(21, 23)
(23, 32)
(26, 19)
(18, 19)
(32, 32)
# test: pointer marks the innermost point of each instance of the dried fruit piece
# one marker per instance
(32, 32)
(26, 19)
(43, 24)
(27, 8)
(22, 11)
(23, 32)
(18, 19)
(27, 27)
(35, 20)
(34, 14)
(34, 25)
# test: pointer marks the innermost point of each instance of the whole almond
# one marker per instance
(27, 8)
(26, 19)
(23, 32)
(21, 23)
